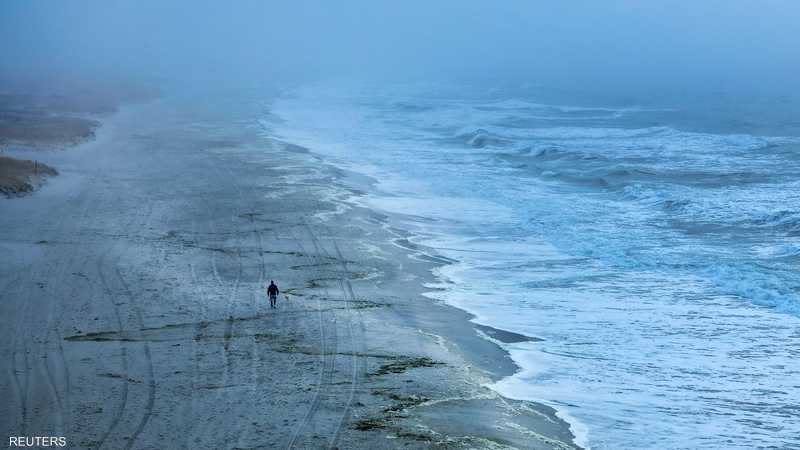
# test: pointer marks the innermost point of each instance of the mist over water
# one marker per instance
(615, 177)
(620, 49)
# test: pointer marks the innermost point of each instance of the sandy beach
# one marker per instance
(494, 225)
(134, 313)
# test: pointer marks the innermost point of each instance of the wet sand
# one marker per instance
(132, 297)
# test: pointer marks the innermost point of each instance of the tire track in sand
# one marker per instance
(133, 301)
(20, 387)
(197, 343)
(151, 385)
(119, 412)
(347, 297)
(59, 364)
(358, 345)
(328, 360)
(229, 324)
(111, 297)
(36, 358)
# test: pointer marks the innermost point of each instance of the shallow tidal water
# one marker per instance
(654, 250)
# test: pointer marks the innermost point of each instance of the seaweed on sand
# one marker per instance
(404, 364)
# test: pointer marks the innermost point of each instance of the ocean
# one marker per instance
(653, 249)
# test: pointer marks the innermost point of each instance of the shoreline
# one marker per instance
(482, 346)
(502, 361)
(154, 323)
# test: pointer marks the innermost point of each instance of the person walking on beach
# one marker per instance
(272, 292)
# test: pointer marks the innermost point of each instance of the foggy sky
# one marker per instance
(613, 45)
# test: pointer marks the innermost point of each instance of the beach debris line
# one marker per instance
(404, 364)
